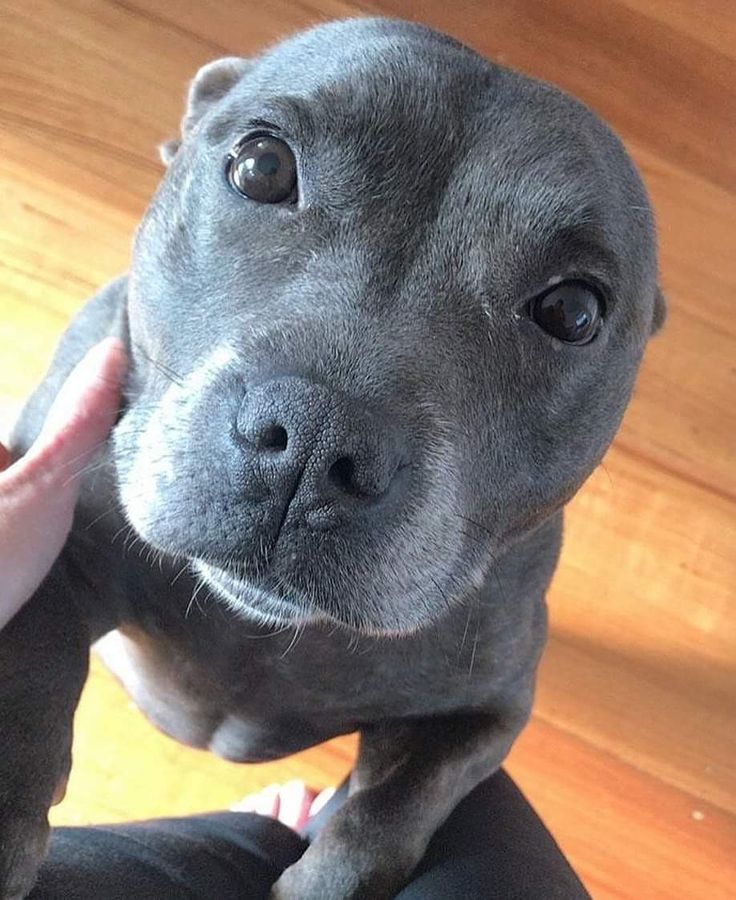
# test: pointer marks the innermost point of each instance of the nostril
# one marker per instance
(274, 437)
(342, 474)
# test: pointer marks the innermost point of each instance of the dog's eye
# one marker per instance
(570, 311)
(263, 168)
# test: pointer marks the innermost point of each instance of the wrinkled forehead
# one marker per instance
(402, 81)
(393, 105)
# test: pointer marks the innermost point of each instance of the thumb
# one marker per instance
(38, 492)
(81, 416)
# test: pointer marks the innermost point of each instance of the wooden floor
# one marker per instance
(631, 755)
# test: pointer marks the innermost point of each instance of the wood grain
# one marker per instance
(630, 755)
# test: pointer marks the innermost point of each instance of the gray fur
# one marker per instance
(385, 314)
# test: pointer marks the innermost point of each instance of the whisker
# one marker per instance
(88, 470)
(260, 637)
(442, 594)
(179, 573)
(102, 515)
(465, 632)
(197, 588)
(83, 471)
(475, 647)
(605, 469)
(477, 524)
(298, 631)
(163, 368)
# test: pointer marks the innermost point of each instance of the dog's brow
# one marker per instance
(585, 243)
(291, 114)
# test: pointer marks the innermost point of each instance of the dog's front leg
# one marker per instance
(43, 664)
(408, 779)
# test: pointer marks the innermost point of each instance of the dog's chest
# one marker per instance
(250, 697)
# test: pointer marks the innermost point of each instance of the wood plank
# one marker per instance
(625, 65)
(627, 835)
(711, 22)
(683, 416)
(643, 629)
(222, 24)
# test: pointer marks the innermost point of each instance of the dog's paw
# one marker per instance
(23, 842)
(297, 883)
(337, 881)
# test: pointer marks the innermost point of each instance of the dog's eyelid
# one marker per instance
(289, 115)
(575, 255)
(259, 124)
(258, 128)
(539, 287)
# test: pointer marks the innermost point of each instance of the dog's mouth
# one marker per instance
(268, 606)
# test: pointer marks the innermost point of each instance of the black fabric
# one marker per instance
(217, 856)
(492, 847)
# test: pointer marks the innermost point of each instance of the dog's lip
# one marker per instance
(242, 592)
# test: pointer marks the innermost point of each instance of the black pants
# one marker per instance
(492, 846)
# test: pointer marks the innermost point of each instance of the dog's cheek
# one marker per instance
(173, 458)
(531, 453)
(144, 470)
(154, 469)
(567, 439)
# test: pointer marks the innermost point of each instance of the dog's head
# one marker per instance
(386, 311)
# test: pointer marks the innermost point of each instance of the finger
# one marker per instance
(4, 457)
(38, 493)
(80, 418)
(86, 407)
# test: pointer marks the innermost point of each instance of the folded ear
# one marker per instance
(207, 87)
(660, 311)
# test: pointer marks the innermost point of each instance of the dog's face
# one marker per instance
(385, 312)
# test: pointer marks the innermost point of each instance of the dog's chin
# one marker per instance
(251, 601)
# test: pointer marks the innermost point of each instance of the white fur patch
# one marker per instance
(154, 467)
(113, 649)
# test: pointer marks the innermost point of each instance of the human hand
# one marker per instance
(39, 491)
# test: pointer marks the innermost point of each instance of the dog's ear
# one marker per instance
(208, 86)
(660, 311)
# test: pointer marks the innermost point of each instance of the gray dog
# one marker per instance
(384, 315)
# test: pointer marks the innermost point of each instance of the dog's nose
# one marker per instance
(316, 448)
